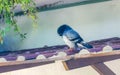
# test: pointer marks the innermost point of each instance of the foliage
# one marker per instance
(7, 15)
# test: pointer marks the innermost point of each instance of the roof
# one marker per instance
(57, 51)
(97, 59)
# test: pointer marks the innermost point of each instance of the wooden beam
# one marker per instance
(74, 58)
(102, 69)
(90, 59)
(65, 65)
(17, 66)
(41, 61)
(99, 54)
(70, 62)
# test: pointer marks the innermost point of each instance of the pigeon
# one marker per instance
(72, 39)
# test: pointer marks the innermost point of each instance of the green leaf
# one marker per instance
(7, 29)
(1, 40)
(2, 33)
(5, 9)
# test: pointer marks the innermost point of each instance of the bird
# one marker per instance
(72, 38)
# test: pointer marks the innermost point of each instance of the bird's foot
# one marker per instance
(71, 49)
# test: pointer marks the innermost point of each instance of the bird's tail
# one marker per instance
(85, 45)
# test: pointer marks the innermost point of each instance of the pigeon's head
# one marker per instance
(63, 28)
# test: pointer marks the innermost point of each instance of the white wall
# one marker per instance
(56, 68)
(92, 21)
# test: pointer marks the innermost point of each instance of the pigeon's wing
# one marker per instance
(73, 35)
(87, 45)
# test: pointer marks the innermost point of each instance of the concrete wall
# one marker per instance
(92, 21)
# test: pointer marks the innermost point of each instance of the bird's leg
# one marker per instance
(75, 50)
(70, 49)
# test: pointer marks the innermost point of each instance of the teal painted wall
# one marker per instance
(92, 22)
